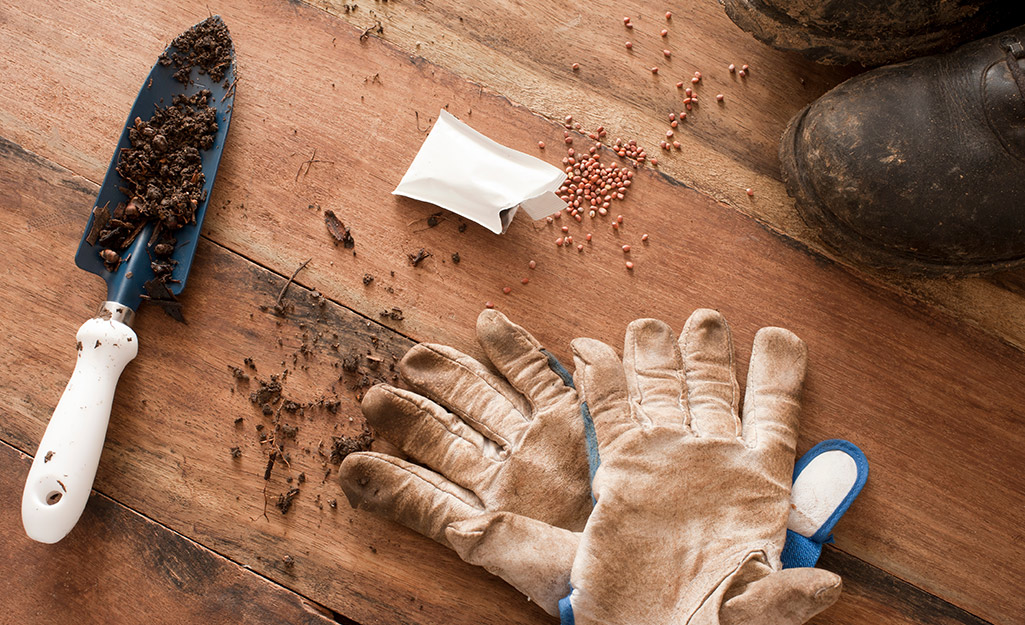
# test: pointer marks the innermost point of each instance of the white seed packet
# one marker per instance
(462, 171)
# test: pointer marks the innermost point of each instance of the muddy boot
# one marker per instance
(871, 32)
(919, 167)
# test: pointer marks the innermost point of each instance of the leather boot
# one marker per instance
(871, 32)
(919, 167)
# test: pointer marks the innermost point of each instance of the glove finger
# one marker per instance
(601, 385)
(517, 355)
(712, 391)
(408, 494)
(772, 403)
(533, 557)
(790, 597)
(466, 387)
(654, 373)
(431, 435)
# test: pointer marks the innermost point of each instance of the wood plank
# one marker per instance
(944, 432)
(525, 51)
(119, 567)
(168, 456)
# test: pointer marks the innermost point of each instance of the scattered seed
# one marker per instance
(664, 32)
(565, 228)
(576, 66)
(654, 70)
(558, 242)
(695, 80)
(541, 145)
(669, 15)
(626, 20)
(732, 68)
(644, 237)
(666, 53)
(669, 133)
(626, 249)
(588, 237)
(745, 67)
(719, 97)
(676, 144)
(741, 73)
(525, 281)
(629, 264)
(674, 123)
(750, 192)
(506, 290)
(679, 85)
(532, 264)
(489, 304)
(569, 120)
(628, 45)
(580, 248)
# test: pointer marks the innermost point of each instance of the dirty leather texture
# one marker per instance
(871, 32)
(483, 441)
(917, 167)
(692, 500)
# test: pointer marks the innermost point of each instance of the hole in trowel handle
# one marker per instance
(54, 497)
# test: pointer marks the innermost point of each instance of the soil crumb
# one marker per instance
(207, 45)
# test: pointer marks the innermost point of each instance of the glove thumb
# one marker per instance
(789, 597)
(533, 557)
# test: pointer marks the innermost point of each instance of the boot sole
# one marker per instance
(851, 245)
(777, 29)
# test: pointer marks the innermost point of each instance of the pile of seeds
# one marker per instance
(206, 45)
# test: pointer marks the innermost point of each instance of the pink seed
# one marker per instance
(615, 225)
(719, 97)
(673, 123)
(489, 304)
(667, 53)
(741, 73)
(506, 290)
(626, 20)
(532, 264)
(619, 219)
(695, 80)
(525, 281)
(565, 228)
(644, 237)
(588, 237)
(669, 15)
(654, 70)
(744, 67)
(626, 249)
(750, 192)
(558, 242)
(569, 120)
(672, 116)
(580, 248)
(697, 74)
(664, 32)
(732, 68)
(629, 264)
(688, 92)
(669, 133)
(541, 145)
(676, 144)
(569, 240)
(679, 85)
(628, 45)
(576, 66)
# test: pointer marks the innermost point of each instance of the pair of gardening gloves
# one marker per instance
(632, 492)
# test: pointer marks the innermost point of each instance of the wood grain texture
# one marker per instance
(167, 454)
(935, 405)
(525, 51)
(119, 567)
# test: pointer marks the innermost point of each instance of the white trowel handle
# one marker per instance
(63, 469)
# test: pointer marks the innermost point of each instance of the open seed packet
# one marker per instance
(462, 171)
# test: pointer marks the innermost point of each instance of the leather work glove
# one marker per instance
(487, 442)
(691, 501)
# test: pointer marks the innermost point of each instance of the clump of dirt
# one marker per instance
(163, 177)
(342, 446)
(206, 45)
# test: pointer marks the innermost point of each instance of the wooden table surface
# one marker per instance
(926, 376)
